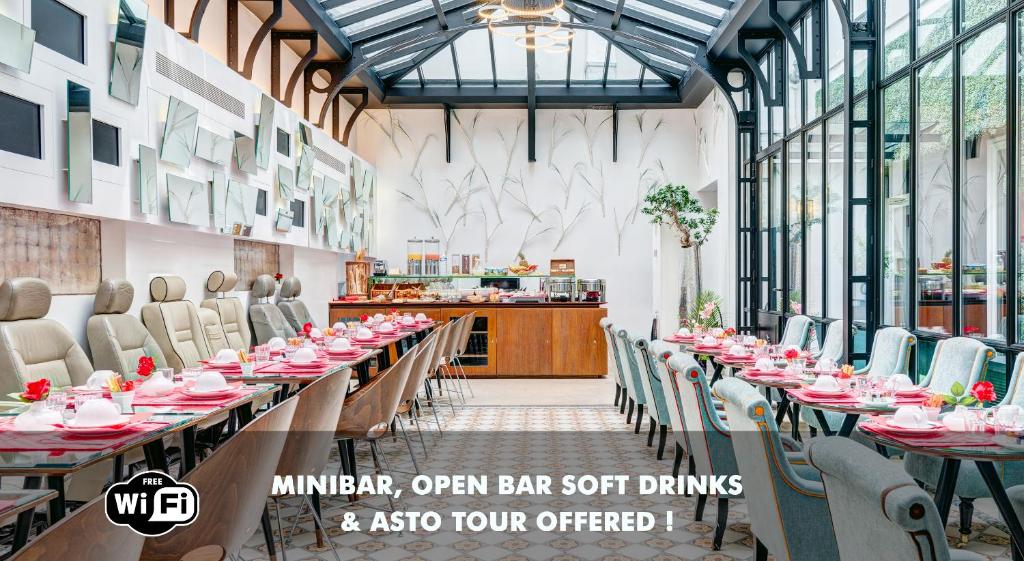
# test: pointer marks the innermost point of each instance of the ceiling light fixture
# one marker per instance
(530, 23)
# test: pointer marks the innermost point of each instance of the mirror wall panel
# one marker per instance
(284, 220)
(126, 70)
(188, 201)
(79, 139)
(179, 140)
(16, 44)
(219, 194)
(265, 132)
(212, 147)
(304, 173)
(149, 190)
(305, 135)
(245, 153)
(285, 184)
(234, 211)
(250, 199)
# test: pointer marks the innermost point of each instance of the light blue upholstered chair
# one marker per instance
(663, 352)
(969, 358)
(614, 368)
(878, 513)
(832, 346)
(631, 373)
(656, 407)
(890, 354)
(788, 512)
(797, 332)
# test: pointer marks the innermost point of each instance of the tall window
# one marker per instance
(813, 98)
(835, 177)
(778, 233)
(794, 116)
(794, 207)
(814, 209)
(934, 24)
(895, 35)
(764, 232)
(983, 184)
(934, 195)
(836, 61)
(895, 203)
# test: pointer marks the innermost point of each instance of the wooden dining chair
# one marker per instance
(64, 540)
(368, 412)
(439, 370)
(461, 345)
(409, 405)
(308, 446)
(233, 484)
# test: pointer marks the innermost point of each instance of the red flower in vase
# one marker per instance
(363, 318)
(984, 392)
(307, 328)
(36, 391)
(278, 276)
(145, 367)
(790, 354)
(730, 331)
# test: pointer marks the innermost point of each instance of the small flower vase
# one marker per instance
(247, 368)
(123, 400)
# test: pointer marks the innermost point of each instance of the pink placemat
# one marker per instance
(177, 397)
(15, 440)
(235, 370)
(942, 438)
(733, 359)
(847, 398)
(679, 339)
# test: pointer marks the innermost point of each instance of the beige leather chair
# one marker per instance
(229, 309)
(216, 339)
(293, 309)
(117, 340)
(175, 323)
(32, 347)
(267, 320)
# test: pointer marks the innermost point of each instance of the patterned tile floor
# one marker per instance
(551, 440)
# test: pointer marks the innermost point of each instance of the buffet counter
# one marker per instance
(522, 339)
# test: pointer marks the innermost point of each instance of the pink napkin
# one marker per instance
(941, 438)
(14, 440)
(177, 397)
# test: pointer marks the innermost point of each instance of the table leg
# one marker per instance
(794, 422)
(399, 348)
(780, 415)
(22, 527)
(384, 359)
(244, 414)
(826, 429)
(718, 373)
(156, 456)
(363, 372)
(188, 449)
(988, 473)
(56, 507)
(118, 474)
(849, 423)
(945, 487)
(281, 394)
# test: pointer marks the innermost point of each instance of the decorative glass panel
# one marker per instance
(126, 70)
(16, 44)
(219, 194)
(285, 184)
(188, 201)
(79, 137)
(149, 191)
(213, 147)
(304, 173)
(265, 132)
(983, 159)
(896, 203)
(179, 142)
(934, 195)
(794, 103)
(245, 153)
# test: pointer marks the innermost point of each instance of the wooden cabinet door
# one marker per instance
(480, 356)
(352, 313)
(524, 342)
(578, 347)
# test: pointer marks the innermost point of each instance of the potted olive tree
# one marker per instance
(676, 207)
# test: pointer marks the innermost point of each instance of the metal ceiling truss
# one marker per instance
(772, 92)
(275, 65)
(798, 47)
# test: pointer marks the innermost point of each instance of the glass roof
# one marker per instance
(423, 43)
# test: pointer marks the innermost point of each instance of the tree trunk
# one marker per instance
(689, 281)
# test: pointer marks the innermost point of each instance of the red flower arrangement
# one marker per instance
(278, 276)
(730, 331)
(307, 328)
(35, 391)
(145, 367)
(971, 330)
(364, 317)
(984, 392)
(791, 354)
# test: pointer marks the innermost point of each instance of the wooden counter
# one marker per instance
(548, 339)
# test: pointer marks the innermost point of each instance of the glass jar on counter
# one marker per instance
(432, 257)
(456, 264)
(414, 256)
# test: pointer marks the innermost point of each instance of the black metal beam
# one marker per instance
(448, 133)
(690, 33)
(607, 62)
(546, 96)
(531, 99)
(276, 37)
(410, 20)
(316, 15)
(455, 65)
(197, 20)
(259, 36)
(771, 93)
(615, 133)
(494, 66)
(355, 113)
(231, 34)
(798, 46)
(684, 11)
(395, 74)
(440, 14)
(568, 58)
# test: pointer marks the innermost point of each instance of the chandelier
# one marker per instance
(530, 23)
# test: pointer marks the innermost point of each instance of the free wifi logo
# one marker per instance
(152, 503)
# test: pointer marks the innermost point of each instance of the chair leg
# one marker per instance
(661, 441)
(761, 552)
(268, 534)
(629, 414)
(966, 517)
(419, 431)
(622, 402)
(408, 444)
(376, 454)
(618, 393)
(280, 530)
(723, 519)
(702, 499)
(650, 433)
(319, 523)
(678, 461)
(639, 417)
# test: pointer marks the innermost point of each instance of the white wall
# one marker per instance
(136, 246)
(670, 155)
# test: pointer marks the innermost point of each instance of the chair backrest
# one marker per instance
(440, 334)
(614, 364)
(267, 320)
(444, 336)
(890, 352)
(233, 484)
(216, 339)
(312, 430)
(293, 309)
(229, 309)
(788, 513)
(117, 340)
(464, 334)
(663, 352)
(879, 513)
(31, 346)
(709, 438)
(369, 410)
(420, 368)
(454, 338)
(957, 359)
(832, 346)
(1014, 392)
(636, 387)
(797, 332)
(640, 347)
(104, 541)
(175, 324)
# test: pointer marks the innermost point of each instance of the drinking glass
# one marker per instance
(826, 365)
(189, 375)
(262, 353)
(57, 400)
